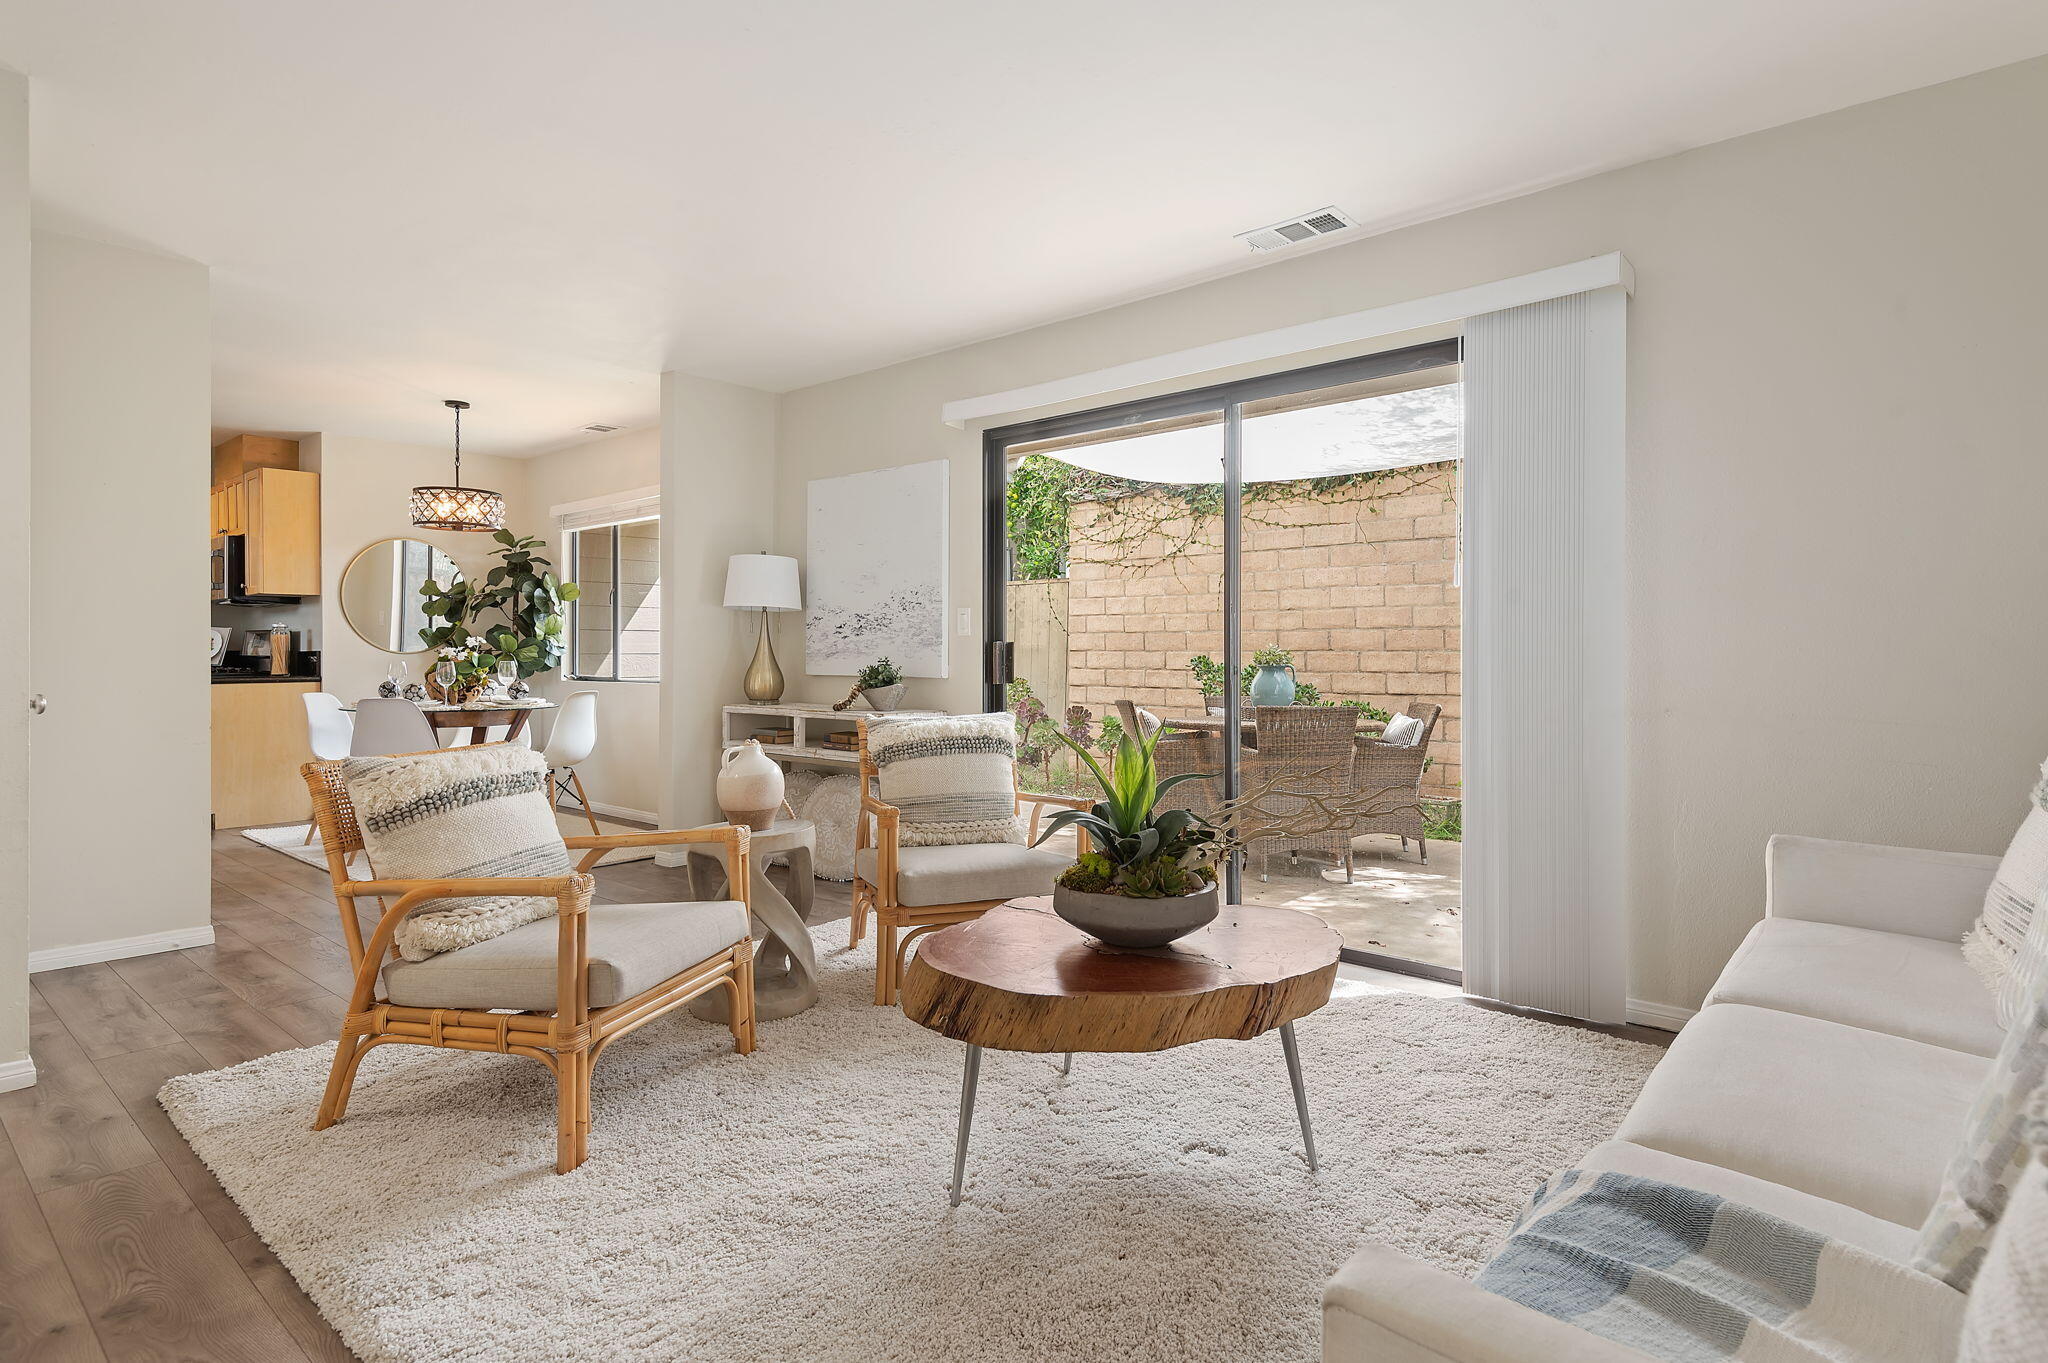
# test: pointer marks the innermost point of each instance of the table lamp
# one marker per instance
(762, 582)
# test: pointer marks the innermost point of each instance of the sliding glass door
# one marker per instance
(1269, 569)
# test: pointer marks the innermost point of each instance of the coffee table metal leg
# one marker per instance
(1067, 1064)
(968, 1080)
(1308, 1136)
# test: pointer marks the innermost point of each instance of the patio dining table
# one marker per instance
(1248, 725)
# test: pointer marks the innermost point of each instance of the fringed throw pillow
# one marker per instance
(466, 812)
(1994, 942)
(953, 778)
(1984, 1170)
(2007, 1318)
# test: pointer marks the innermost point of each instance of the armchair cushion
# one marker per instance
(462, 813)
(1402, 731)
(953, 779)
(965, 873)
(633, 947)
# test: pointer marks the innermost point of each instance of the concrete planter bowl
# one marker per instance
(883, 698)
(1125, 922)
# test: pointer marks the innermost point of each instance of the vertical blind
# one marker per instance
(1545, 657)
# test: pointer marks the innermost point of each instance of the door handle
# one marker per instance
(39, 702)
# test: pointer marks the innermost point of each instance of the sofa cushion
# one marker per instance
(633, 947)
(964, 873)
(1914, 987)
(1854, 1116)
(1887, 1239)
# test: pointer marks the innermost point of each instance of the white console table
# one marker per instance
(811, 721)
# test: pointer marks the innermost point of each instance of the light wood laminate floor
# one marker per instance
(115, 1241)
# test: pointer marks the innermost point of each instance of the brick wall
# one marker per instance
(1357, 586)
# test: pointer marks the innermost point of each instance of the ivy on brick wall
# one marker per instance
(1131, 519)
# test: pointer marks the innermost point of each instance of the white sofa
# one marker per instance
(1825, 1081)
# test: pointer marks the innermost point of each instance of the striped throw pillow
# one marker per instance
(1995, 943)
(466, 812)
(953, 778)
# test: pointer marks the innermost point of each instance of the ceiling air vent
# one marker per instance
(599, 428)
(1319, 223)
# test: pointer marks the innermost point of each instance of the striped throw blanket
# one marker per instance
(1689, 1277)
(953, 778)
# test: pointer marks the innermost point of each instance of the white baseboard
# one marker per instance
(17, 1074)
(621, 812)
(671, 857)
(1665, 1017)
(119, 949)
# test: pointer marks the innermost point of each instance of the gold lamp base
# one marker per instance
(764, 674)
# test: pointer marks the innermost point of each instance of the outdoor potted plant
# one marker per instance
(1149, 876)
(881, 685)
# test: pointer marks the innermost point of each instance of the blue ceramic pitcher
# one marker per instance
(1274, 685)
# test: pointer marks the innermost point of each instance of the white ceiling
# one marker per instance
(538, 206)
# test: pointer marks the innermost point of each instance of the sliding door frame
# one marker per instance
(1228, 400)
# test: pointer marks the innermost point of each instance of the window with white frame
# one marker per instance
(614, 557)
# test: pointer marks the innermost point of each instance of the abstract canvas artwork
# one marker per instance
(876, 571)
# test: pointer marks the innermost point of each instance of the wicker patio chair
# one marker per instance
(1134, 720)
(1305, 756)
(568, 1033)
(915, 890)
(1183, 751)
(1389, 778)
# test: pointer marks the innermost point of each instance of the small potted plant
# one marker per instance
(881, 685)
(1149, 876)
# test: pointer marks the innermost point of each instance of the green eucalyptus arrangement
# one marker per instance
(1137, 850)
(514, 615)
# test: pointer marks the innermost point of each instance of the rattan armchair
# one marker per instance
(1388, 777)
(567, 1038)
(881, 887)
(1300, 771)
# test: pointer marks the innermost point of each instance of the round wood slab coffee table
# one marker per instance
(1021, 978)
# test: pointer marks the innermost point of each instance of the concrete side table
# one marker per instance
(785, 962)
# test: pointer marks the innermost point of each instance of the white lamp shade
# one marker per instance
(762, 582)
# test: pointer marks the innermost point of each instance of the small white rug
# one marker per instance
(791, 1205)
(290, 839)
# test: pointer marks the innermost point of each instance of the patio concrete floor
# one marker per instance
(1395, 906)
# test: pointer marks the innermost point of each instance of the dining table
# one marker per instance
(1248, 726)
(481, 716)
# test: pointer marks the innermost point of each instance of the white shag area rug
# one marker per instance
(791, 1205)
(290, 839)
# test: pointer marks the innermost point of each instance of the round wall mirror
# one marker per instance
(380, 592)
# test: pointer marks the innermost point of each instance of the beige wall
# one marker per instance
(15, 672)
(365, 486)
(624, 771)
(1829, 316)
(121, 378)
(718, 463)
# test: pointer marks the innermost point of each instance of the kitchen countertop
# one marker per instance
(234, 679)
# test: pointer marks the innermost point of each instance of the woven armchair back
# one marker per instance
(333, 813)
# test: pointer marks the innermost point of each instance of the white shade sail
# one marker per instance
(1388, 431)
(762, 582)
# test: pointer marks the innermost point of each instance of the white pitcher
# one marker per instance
(750, 786)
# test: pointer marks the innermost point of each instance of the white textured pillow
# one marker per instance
(2006, 1320)
(1402, 731)
(1994, 943)
(953, 778)
(466, 812)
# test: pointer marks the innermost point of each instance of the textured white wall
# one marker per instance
(120, 413)
(1835, 481)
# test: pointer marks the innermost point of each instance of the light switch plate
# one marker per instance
(965, 626)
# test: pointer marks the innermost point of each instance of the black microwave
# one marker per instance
(231, 574)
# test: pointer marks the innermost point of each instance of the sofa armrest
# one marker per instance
(1863, 885)
(1384, 1307)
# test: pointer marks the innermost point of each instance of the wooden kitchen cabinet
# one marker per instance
(259, 742)
(278, 510)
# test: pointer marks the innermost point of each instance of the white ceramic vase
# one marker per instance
(750, 786)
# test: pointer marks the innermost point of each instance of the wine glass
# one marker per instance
(444, 677)
(508, 672)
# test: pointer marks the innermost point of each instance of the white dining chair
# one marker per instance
(384, 727)
(572, 740)
(330, 729)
